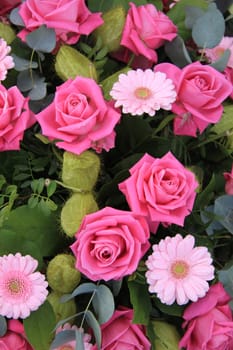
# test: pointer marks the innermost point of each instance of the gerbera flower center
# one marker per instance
(142, 93)
(16, 286)
(179, 269)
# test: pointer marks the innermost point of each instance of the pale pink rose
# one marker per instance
(69, 18)
(7, 5)
(15, 338)
(215, 53)
(6, 61)
(229, 182)
(79, 117)
(201, 90)
(15, 118)
(146, 29)
(160, 189)
(209, 322)
(110, 243)
(121, 333)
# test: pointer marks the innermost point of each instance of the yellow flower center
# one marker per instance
(179, 269)
(142, 93)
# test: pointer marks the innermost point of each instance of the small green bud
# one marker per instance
(70, 63)
(166, 336)
(80, 171)
(7, 33)
(61, 310)
(74, 210)
(62, 275)
(111, 30)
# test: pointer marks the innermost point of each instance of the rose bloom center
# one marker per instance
(142, 92)
(179, 269)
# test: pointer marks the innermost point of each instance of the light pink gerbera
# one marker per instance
(71, 345)
(177, 271)
(145, 91)
(215, 53)
(6, 61)
(21, 289)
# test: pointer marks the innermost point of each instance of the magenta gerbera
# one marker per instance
(178, 271)
(22, 290)
(145, 91)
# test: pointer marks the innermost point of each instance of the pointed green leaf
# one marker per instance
(140, 299)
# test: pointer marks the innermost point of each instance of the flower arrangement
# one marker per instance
(116, 174)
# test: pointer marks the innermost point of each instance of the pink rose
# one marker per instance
(160, 189)
(228, 73)
(8, 5)
(229, 182)
(209, 322)
(80, 117)
(69, 18)
(110, 243)
(15, 118)
(121, 333)
(146, 29)
(201, 90)
(15, 338)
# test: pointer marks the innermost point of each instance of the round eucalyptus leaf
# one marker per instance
(3, 326)
(42, 39)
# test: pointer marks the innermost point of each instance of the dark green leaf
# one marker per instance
(33, 202)
(140, 299)
(51, 188)
(39, 327)
(42, 39)
(173, 310)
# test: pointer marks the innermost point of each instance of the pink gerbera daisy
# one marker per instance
(21, 289)
(177, 271)
(6, 61)
(145, 91)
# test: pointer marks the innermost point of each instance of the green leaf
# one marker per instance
(206, 195)
(173, 310)
(223, 207)
(103, 303)
(140, 299)
(51, 188)
(42, 39)
(7, 32)
(22, 64)
(39, 327)
(31, 232)
(33, 202)
(93, 323)
(208, 30)
(39, 89)
(15, 17)
(3, 326)
(82, 289)
(192, 15)
(79, 341)
(177, 52)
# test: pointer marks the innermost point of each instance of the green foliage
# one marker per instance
(30, 231)
(8, 195)
(140, 300)
(39, 327)
(225, 276)
(3, 326)
(42, 39)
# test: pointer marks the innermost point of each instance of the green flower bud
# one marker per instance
(80, 171)
(61, 273)
(61, 310)
(7, 33)
(74, 210)
(107, 83)
(166, 336)
(111, 31)
(70, 63)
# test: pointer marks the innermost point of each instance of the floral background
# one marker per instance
(116, 174)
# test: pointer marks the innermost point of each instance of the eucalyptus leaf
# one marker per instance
(223, 206)
(25, 80)
(192, 14)
(39, 327)
(15, 17)
(208, 30)
(79, 340)
(226, 277)
(82, 289)
(177, 52)
(62, 338)
(39, 89)
(22, 64)
(3, 326)
(103, 303)
(42, 39)
(221, 63)
(93, 323)
(208, 216)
